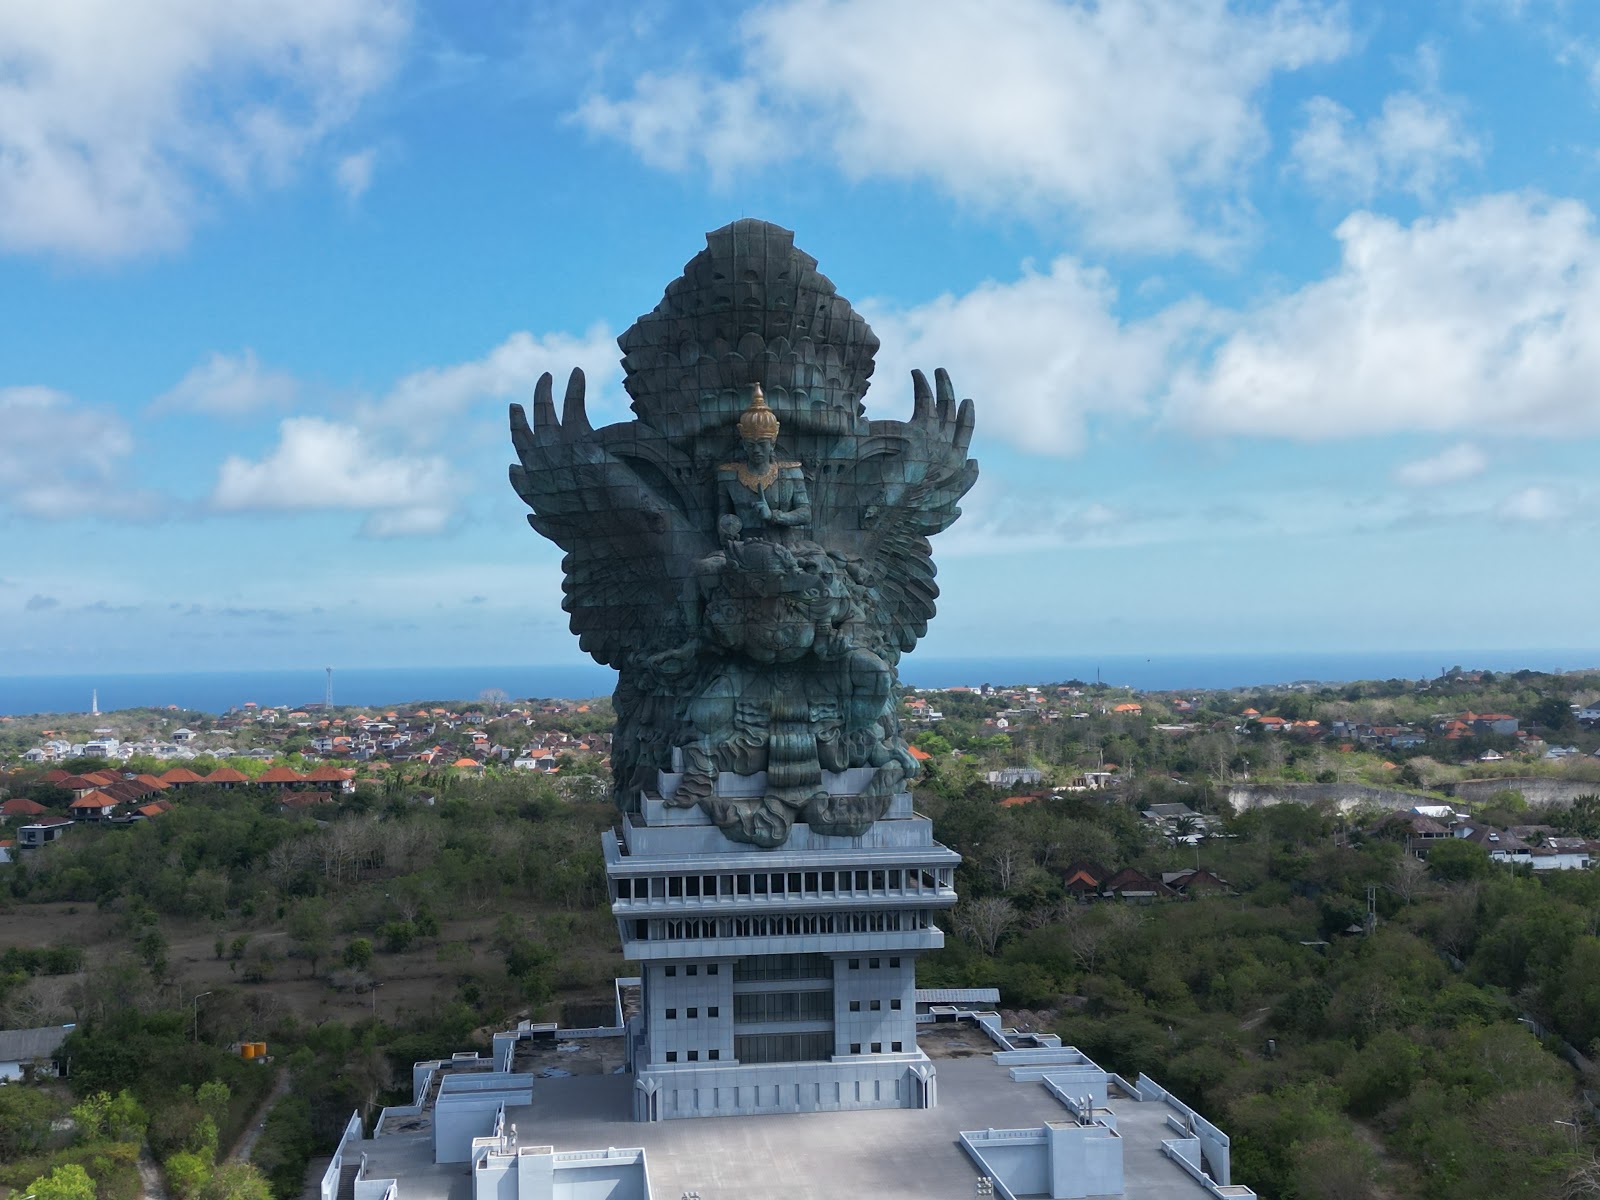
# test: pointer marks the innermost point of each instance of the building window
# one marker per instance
(691, 970)
(895, 1046)
(855, 964)
(855, 1047)
(894, 962)
(672, 1014)
(714, 1055)
(829, 883)
(671, 971)
(877, 1047)
(877, 1005)
(872, 963)
(672, 1056)
(694, 1056)
(712, 1011)
(855, 1006)
(693, 1013)
(711, 969)
(895, 1005)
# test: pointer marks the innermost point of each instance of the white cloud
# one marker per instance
(119, 122)
(353, 173)
(1141, 116)
(1448, 466)
(319, 464)
(1480, 321)
(1414, 145)
(676, 121)
(428, 403)
(60, 458)
(1535, 506)
(1044, 354)
(229, 385)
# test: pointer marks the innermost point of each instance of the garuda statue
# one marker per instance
(751, 553)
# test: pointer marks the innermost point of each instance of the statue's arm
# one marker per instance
(799, 510)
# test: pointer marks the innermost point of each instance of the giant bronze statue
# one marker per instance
(751, 553)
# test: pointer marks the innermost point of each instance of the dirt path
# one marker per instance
(151, 1185)
(246, 1144)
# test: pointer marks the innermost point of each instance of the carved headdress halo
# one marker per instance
(759, 423)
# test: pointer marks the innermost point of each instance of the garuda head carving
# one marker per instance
(751, 552)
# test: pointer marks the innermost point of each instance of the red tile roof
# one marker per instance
(22, 807)
(226, 775)
(328, 773)
(281, 775)
(180, 775)
(94, 800)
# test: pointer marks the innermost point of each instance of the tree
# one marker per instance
(985, 921)
(25, 1116)
(69, 1182)
(236, 1181)
(308, 928)
(358, 954)
(1457, 860)
(187, 1173)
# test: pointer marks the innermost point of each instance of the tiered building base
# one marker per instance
(776, 980)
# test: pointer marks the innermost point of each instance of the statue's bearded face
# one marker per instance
(758, 455)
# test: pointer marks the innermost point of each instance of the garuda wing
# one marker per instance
(905, 485)
(608, 497)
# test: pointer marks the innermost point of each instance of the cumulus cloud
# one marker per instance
(427, 403)
(1478, 321)
(1047, 351)
(1139, 116)
(41, 603)
(120, 123)
(319, 464)
(1448, 466)
(229, 385)
(682, 120)
(1414, 145)
(60, 458)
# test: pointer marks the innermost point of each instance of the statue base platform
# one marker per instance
(778, 980)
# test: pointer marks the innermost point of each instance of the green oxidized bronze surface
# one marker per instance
(751, 553)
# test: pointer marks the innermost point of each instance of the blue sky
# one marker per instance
(1279, 316)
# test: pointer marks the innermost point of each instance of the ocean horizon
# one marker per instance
(219, 691)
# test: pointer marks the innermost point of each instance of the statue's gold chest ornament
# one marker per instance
(757, 483)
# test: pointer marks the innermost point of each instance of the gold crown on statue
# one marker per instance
(758, 424)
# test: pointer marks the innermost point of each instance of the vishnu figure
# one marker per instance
(767, 496)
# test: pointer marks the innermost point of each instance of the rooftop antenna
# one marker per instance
(327, 695)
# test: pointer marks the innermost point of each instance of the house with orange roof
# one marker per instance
(21, 807)
(919, 754)
(226, 777)
(94, 806)
(1128, 709)
(327, 775)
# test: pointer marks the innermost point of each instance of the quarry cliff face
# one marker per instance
(1347, 797)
